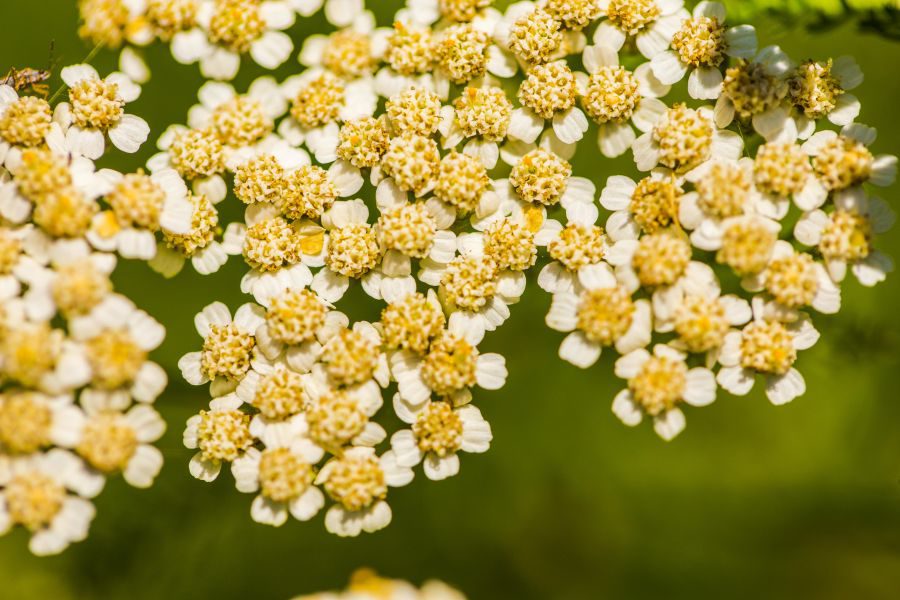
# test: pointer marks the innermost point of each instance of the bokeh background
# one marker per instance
(750, 501)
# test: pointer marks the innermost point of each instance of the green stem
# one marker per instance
(87, 59)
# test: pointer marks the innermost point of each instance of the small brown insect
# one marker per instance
(28, 79)
(31, 79)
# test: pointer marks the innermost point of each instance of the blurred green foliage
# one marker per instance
(750, 501)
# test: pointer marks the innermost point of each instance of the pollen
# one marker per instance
(103, 21)
(356, 481)
(26, 121)
(115, 358)
(169, 17)
(335, 420)
(137, 201)
(279, 395)
(509, 245)
(413, 162)
(363, 142)
(469, 283)
(108, 442)
(462, 181)
(578, 245)
(348, 54)
(574, 14)
(843, 163)
(270, 245)
(723, 191)
(781, 169)
(767, 347)
(462, 53)
(308, 192)
(40, 173)
(605, 314)
(701, 42)
(236, 24)
(654, 203)
(438, 429)
(204, 224)
(410, 51)
(78, 287)
(283, 475)
(847, 237)
(814, 90)
(353, 250)
(96, 104)
(752, 89)
(661, 258)
(659, 385)
(632, 16)
(412, 323)
(350, 357)
(319, 102)
(30, 351)
(540, 176)
(450, 365)
(462, 11)
(536, 36)
(409, 229)
(65, 213)
(33, 500)
(10, 251)
(701, 323)
(295, 316)
(260, 179)
(197, 153)
(792, 280)
(684, 137)
(483, 111)
(223, 434)
(747, 246)
(227, 352)
(611, 95)
(241, 122)
(549, 89)
(414, 110)
(25, 422)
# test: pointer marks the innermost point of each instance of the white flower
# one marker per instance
(657, 384)
(281, 474)
(141, 205)
(438, 433)
(115, 338)
(615, 98)
(843, 237)
(110, 440)
(767, 347)
(338, 12)
(230, 28)
(700, 46)
(358, 481)
(228, 347)
(450, 368)
(819, 89)
(842, 161)
(682, 139)
(598, 313)
(34, 493)
(221, 434)
(755, 90)
(97, 110)
(578, 245)
(651, 23)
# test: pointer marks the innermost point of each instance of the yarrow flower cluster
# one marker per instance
(432, 162)
(367, 585)
(76, 384)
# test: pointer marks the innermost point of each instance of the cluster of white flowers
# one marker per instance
(76, 386)
(367, 585)
(430, 162)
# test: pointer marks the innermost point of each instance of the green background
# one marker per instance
(750, 501)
